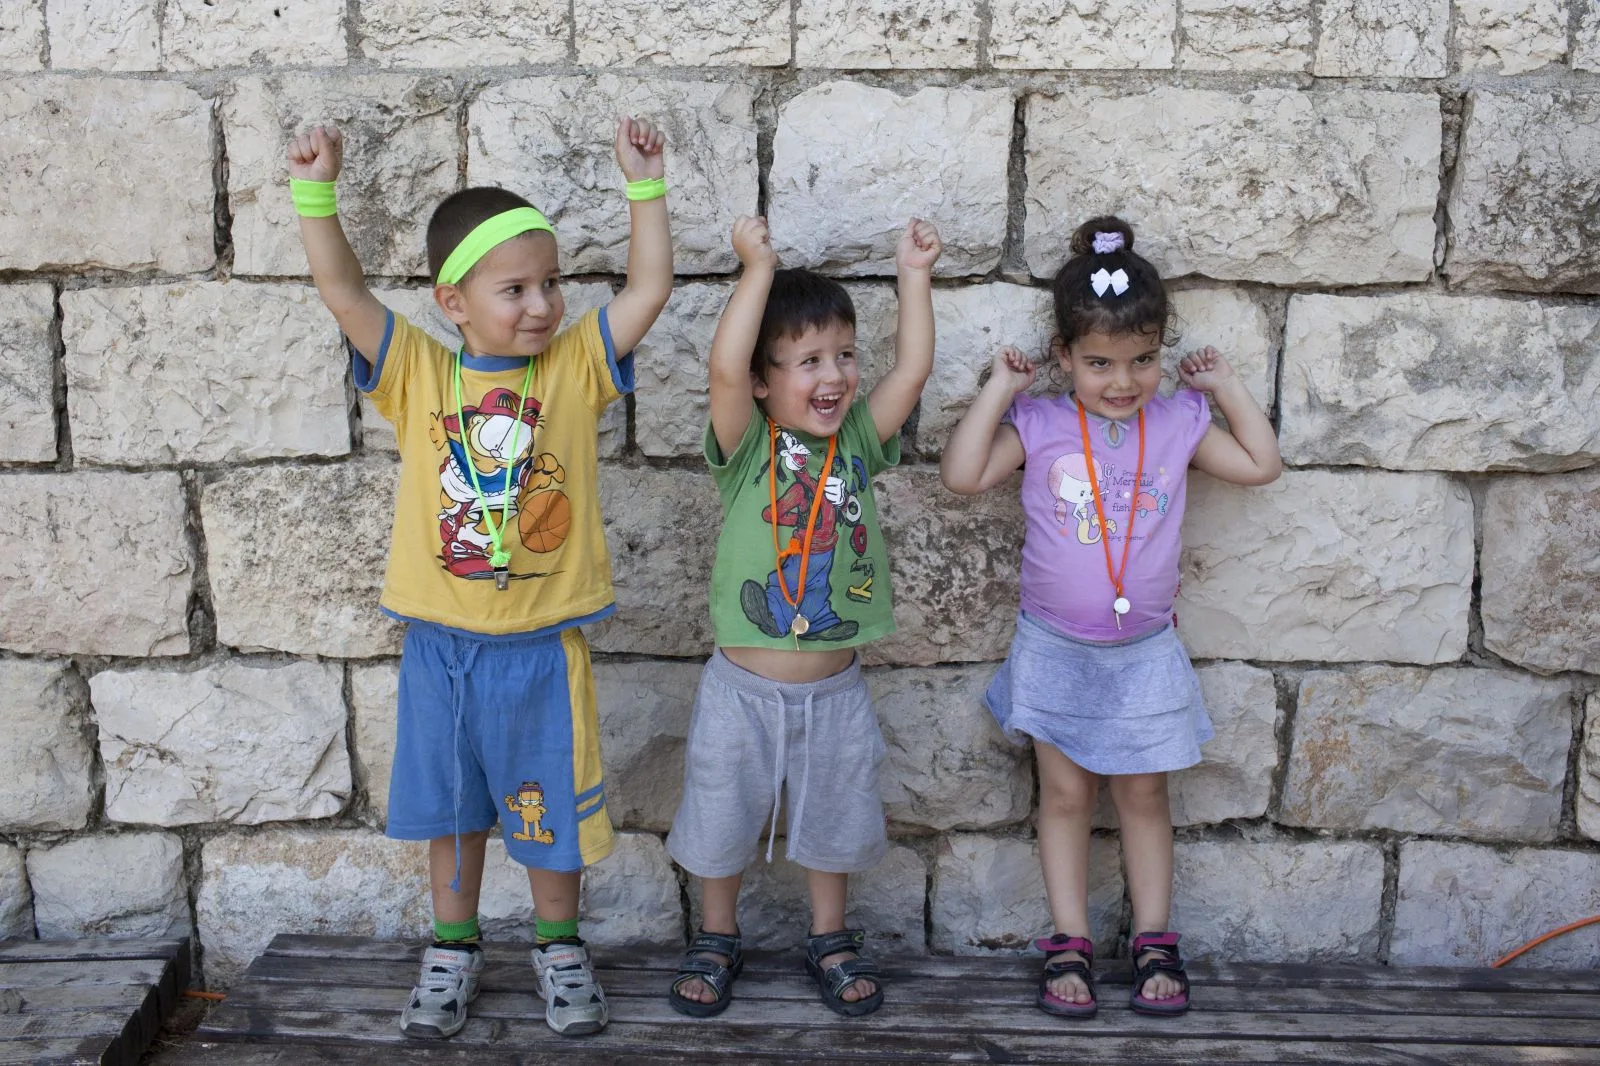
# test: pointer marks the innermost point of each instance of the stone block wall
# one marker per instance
(1386, 212)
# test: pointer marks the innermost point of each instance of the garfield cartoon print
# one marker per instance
(516, 485)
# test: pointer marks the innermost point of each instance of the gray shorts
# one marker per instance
(750, 739)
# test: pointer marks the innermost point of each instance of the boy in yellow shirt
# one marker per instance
(497, 555)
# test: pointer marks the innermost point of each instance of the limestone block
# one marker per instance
(1383, 38)
(1522, 206)
(124, 885)
(1458, 751)
(285, 574)
(1039, 34)
(73, 145)
(1278, 901)
(271, 382)
(236, 742)
(1588, 801)
(1586, 36)
(970, 324)
(335, 881)
(949, 766)
(1234, 777)
(1329, 566)
(954, 562)
(105, 35)
(16, 901)
(1541, 570)
(417, 305)
(629, 899)
(456, 33)
(1200, 174)
(1246, 34)
(97, 563)
(671, 405)
(46, 765)
(401, 157)
(661, 533)
(897, 34)
(22, 35)
(374, 692)
(1420, 381)
(27, 374)
(988, 894)
(1510, 36)
(644, 722)
(206, 34)
(683, 33)
(551, 139)
(887, 901)
(1232, 323)
(939, 154)
(1466, 905)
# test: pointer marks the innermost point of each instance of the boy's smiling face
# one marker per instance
(811, 379)
(510, 302)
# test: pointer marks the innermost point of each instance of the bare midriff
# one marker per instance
(791, 667)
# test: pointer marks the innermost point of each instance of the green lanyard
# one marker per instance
(499, 559)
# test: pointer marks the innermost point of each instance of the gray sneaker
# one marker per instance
(447, 983)
(573, 1002)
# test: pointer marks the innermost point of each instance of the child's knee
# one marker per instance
(1140, 794)
(1068, 796)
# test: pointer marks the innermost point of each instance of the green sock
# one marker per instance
(462, 932)
(548, 931)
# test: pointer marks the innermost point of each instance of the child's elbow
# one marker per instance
(1268, 472)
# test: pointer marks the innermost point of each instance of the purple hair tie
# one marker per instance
(1107, 242)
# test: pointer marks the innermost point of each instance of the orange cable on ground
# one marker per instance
(195, 993)
(1551, 935)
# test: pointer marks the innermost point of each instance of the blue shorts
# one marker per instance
(519, 716)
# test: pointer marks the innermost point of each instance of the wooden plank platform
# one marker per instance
(337, 999)
(86, 1001)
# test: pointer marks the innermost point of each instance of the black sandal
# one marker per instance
(841, 975)
(1047, 1000)
(716, 976)
(1164, 958)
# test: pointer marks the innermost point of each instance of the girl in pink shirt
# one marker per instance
(1096, 678)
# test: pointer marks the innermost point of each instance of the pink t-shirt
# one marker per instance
(1064, 575)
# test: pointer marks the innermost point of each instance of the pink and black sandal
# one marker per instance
(1164, 958)
(1047, 1000)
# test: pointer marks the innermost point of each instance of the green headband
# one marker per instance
(487, 234)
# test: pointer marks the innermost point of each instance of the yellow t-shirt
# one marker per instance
(439, 569)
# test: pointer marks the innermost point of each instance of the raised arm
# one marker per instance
(981, 451)
(317, 156)
(735, 339)
(1246, 453)
(633, 311)
(893, 397)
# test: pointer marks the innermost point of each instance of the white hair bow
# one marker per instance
(1100, 281)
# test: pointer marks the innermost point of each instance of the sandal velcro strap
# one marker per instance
(1156, 941)
(1061, 942)
(714, 944)
(841, 975)
(824, 944)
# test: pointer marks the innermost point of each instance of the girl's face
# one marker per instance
(1114, 375)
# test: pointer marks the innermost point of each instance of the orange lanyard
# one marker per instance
(811, 523)
(1120, 606)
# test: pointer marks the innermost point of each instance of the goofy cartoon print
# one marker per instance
(813, 616)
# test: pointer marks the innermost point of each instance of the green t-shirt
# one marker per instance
(845, 599)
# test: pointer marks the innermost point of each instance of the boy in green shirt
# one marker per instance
(801, 579)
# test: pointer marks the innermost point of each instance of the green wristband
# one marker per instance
(313, 199)
(647, 189)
